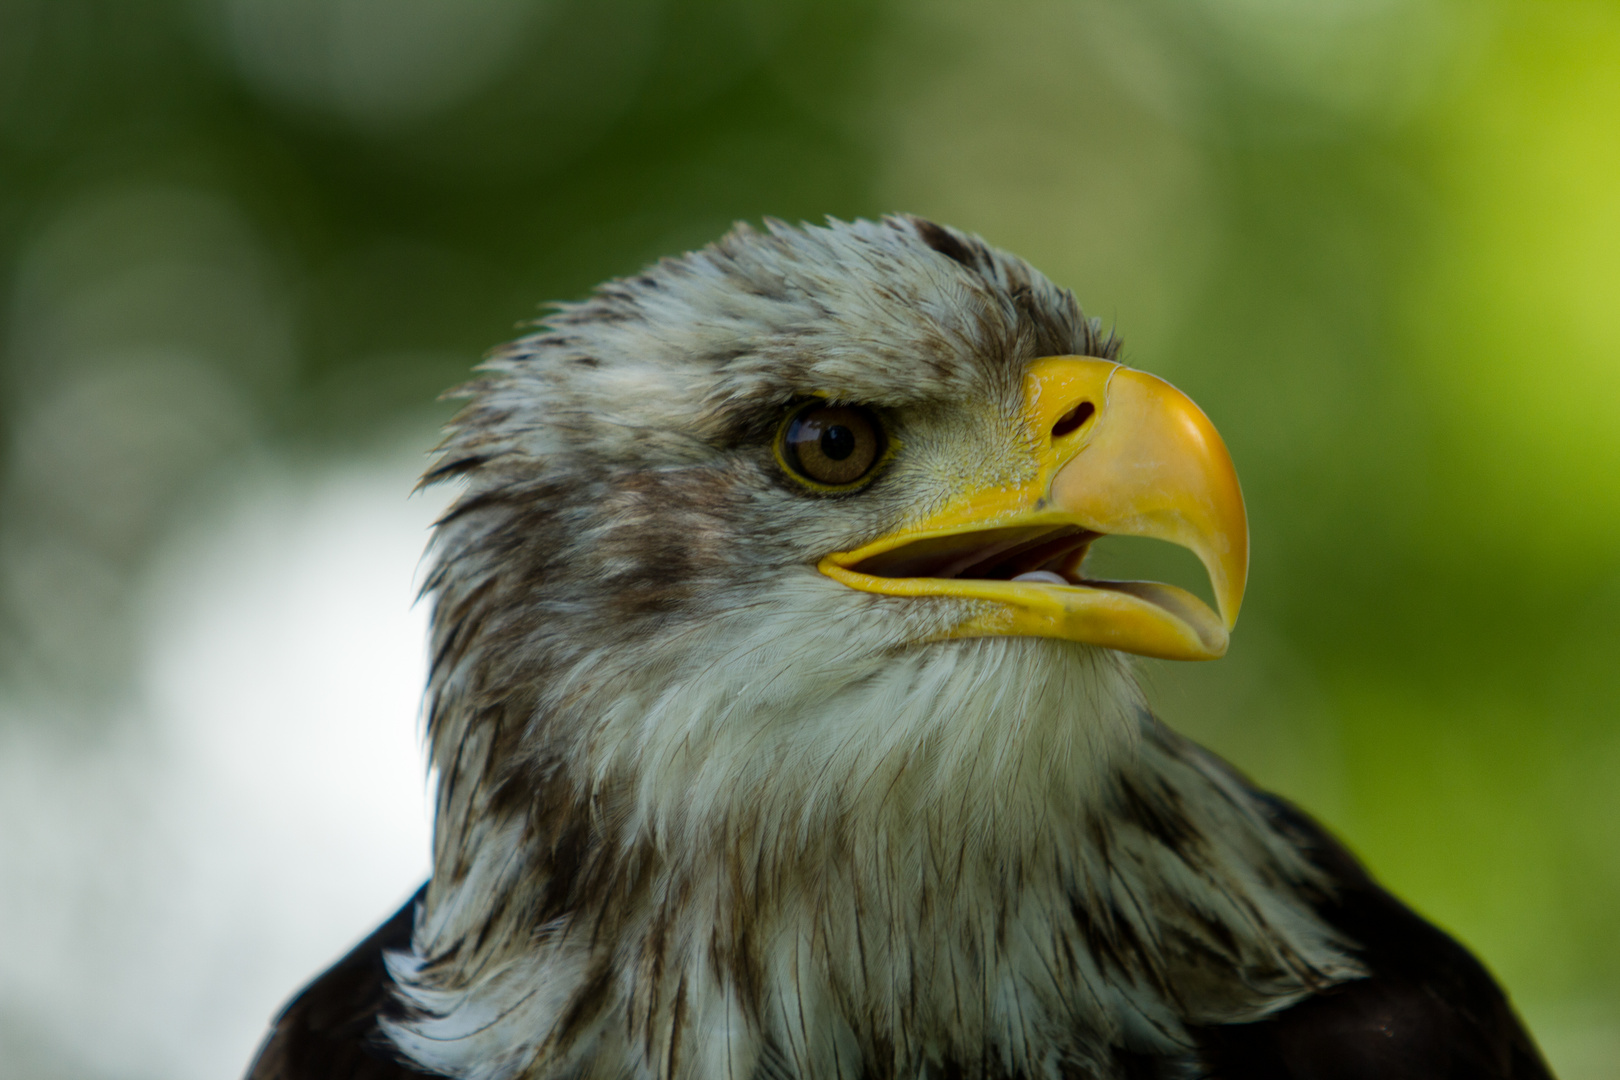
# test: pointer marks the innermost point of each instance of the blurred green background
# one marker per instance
(1378, 241)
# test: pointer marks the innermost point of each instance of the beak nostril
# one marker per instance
(1072, 419)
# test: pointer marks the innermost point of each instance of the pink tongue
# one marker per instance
(1045, 577)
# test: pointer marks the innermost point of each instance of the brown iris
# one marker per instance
(832, 445)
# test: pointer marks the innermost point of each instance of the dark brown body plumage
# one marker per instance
(330, 1029)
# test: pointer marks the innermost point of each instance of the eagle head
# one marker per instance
(776, 725)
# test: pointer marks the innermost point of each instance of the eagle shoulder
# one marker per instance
(328, 1031)
(1428, 1010)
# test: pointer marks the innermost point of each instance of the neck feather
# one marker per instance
(985, 854)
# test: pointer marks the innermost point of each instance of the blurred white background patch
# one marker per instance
(169, 877)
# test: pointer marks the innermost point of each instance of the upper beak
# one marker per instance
(1116, 451)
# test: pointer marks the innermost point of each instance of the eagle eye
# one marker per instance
(831, 446)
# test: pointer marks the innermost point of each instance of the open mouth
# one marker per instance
(1037, 553)
(1035, 569)
(1022, 554)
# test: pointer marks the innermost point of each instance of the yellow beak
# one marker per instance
(1115, 451)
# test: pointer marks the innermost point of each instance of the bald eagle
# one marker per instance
(779, 733)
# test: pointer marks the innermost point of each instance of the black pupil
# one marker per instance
(837, 442)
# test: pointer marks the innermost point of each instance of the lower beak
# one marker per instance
(1119, 452)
